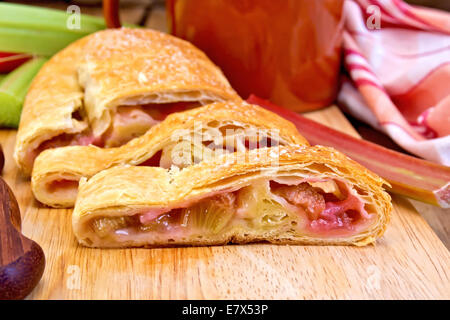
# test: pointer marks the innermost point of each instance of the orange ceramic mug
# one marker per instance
(285, 51)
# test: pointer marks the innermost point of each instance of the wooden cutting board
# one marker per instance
(408, 262)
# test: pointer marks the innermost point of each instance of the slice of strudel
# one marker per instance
(285, 195)
(183, 139)
(112, 86)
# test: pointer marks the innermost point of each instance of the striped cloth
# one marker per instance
(399, 79)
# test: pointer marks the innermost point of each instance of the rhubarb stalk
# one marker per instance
(19, 16)
(10, 61)
(13, 89)
(37, 42)
(409, 176)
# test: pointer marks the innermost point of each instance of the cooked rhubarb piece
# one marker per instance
(304, 195)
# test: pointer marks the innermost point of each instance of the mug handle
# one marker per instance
(111, 13)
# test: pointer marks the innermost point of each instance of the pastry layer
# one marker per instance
(77, 94)
(182, 139)
(303, 195)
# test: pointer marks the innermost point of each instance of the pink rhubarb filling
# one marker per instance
(129, 122)
(326, 213)
(62, 184)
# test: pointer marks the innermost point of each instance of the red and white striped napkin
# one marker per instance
(398, 58)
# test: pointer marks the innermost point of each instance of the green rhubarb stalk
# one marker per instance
(36, 18)
(13, 89)
(37, 42)
(2, 76)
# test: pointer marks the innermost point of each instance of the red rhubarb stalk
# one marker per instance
(409, 176)
(10, 61)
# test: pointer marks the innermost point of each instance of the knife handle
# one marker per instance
(22, 260)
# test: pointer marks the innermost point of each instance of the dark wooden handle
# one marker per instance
(22, 260)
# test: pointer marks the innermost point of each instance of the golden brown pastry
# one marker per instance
(285, 195)
(112, 86)
(182, 139)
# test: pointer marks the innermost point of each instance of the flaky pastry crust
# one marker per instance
(123, 190)
(74, 162)
(112, 68)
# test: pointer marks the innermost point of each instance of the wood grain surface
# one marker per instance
(408, 262)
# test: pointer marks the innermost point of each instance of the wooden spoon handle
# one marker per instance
(22, 260)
